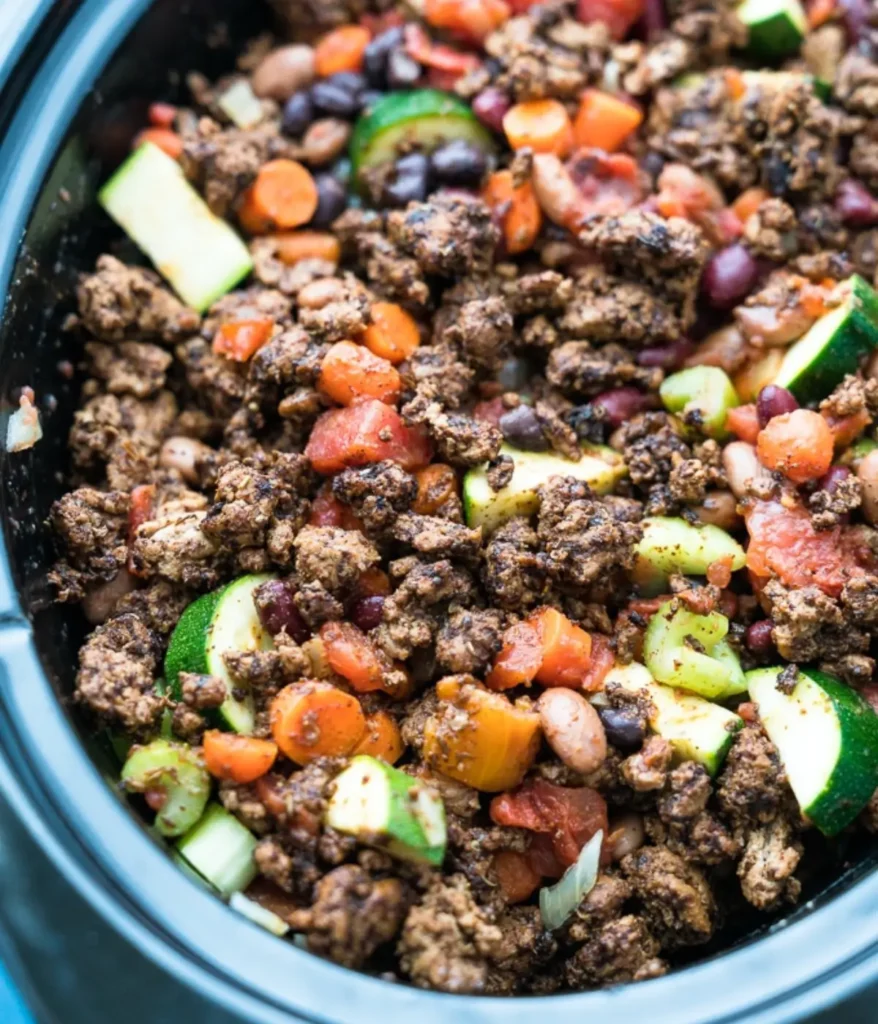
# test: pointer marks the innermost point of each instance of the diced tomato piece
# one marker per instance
(566, 649)
(617, 15)
(846, 429)
(743, 422)
(542, 857)
(515, 875)
(327, 510)
(784, 543)
(609, 183)
(437, 56)
(166, 139)
(570, 817)
(519, 659)
(239, 339)
(364, 433)
(140, 508)
(161, 115)
(490, 410)
(352, 656)
(602, 660)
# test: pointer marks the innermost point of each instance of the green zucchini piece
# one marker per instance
(697, 729)
(858, 451)
(423, 118)
(240, 104)
(690, 652)
(220, 849)
(225, 620)
(258, 914)
(827, 737)
(198, 253)
(670, 544)
(701, 396)
(834, 345)
(600, 467)
(176, 770)
(384, 807)
(776, 28)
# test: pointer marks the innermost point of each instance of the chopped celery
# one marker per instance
(175, 771)
(670, 544)
(858, 451)
(690, 652)
(702, 396)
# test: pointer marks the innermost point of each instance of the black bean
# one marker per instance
(522, 429)
(330, 98)
(459, 163)
(376, 53)
(402, 70)
(353, 81)
(331, 200)
(623, 728)
(412, 181)
(298, 113)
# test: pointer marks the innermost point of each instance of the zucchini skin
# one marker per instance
(187, 651)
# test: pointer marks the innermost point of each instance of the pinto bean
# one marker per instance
(319, 293)
(867, 471)
(183, 454)
(719, 508)
(573, 729)
(284, 71)
(742, 467)
(626, 835)
(99, 604)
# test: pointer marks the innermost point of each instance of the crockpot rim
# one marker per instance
(107, 854)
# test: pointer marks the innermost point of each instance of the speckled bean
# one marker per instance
(743, 466)
(572, 729)
(284, 71)
(867, 471)
(183, 454)
(99, 604)
(719, 508)
(325, 140)
(627, 834)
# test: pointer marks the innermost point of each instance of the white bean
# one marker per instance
(627, 834)
(558, 196)
(719, 508)
(183, 454)
(743, 467)
(319, 293)
(867, 471)
(98, 604)
(283, 72)
(572, 729)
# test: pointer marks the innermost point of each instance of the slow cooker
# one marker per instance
(98, 923)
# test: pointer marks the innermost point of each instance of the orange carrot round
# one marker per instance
(798, 444)
(748, 202)
(239, 339)
(604, 121)
(516, 209)
(167, 140)
(350, 372)
(393, 333)
(352, 656)
(341, 50)
(566, 649)
(236, 758)
(382, 738)
(543, 125)
(311, 719)
(294, 246)
(282, 196)
(475, 19)
(437, 484)
(743, 422)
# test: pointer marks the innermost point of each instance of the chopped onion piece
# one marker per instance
(241, 105)
(23, 430)
(559, 901)
(258, 914)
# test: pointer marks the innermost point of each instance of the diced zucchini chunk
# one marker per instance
(258, 914)
(384, 807)
(671, 545)
(701, 396)
(834, 345)
(827, 737)
(220, 849)
(776, 27)
(689, 651)
(697, 729)
(176, 771)
(240, 104)
(197, 252)
(600, 467)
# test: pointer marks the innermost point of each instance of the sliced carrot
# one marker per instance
(239, 759)
(604, 121)
(515, 876)
(393, 333)
(239, 339)
(743, 423)
(282, 196)
(382, 739)
(735, 83)
(799, 444)
(437, 484)
(311, 719)
(516, 209)
(475, 19)
(167, 140)
(748, 202)
(350, 372)
(352, 656)
(542, 125)
(603, 658)
(566, 649)
(519, 659)
(327, 510)
(819, 12)
(161, 115)
(341, 49)
(846, 429)
(812, 298)
(294, 246)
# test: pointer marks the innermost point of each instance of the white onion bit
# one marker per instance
(23, 430)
